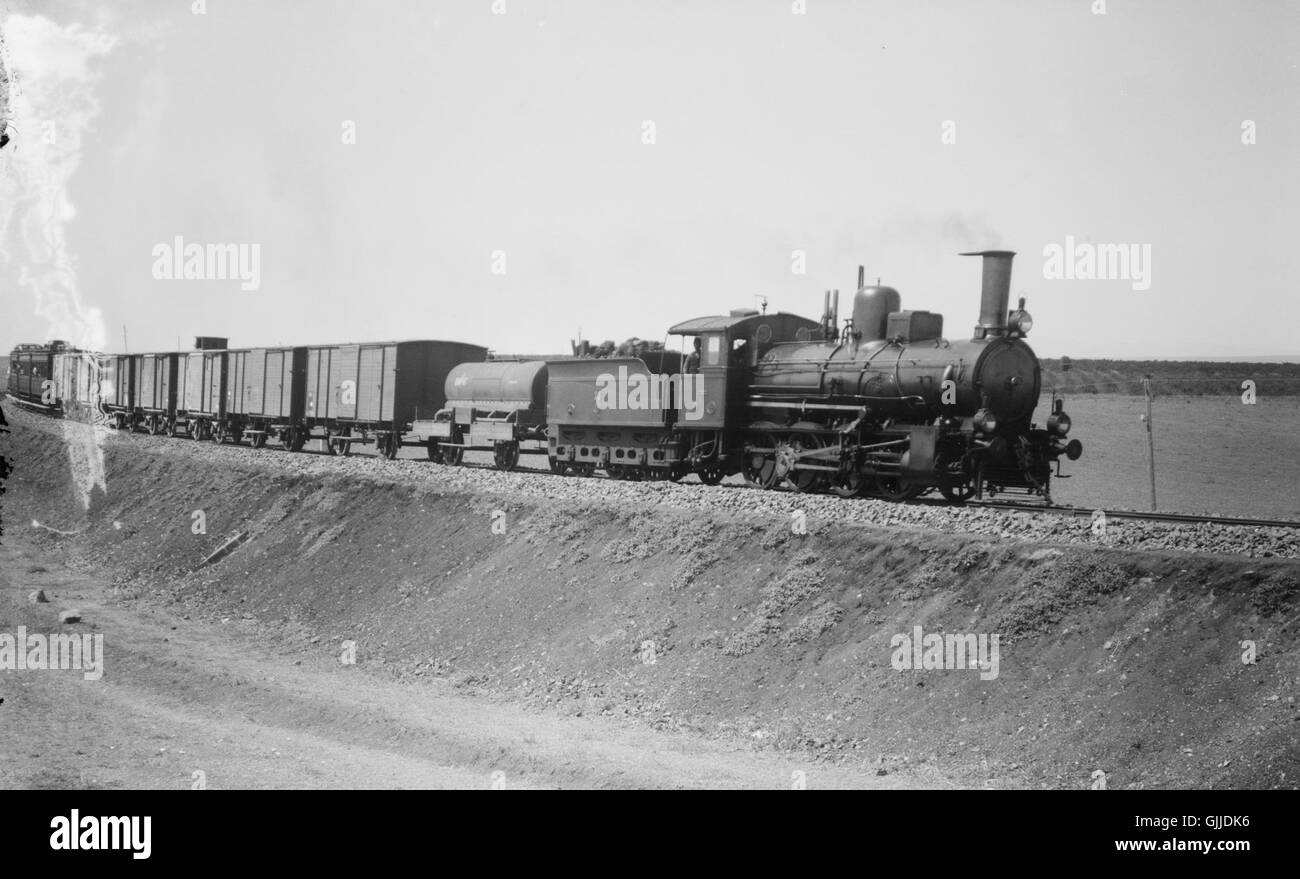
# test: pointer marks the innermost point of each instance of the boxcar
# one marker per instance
(201, 397)
(373, 392)
(117, 389)
(155, 383)
(78, 377)
(265, 393)
(31, 374)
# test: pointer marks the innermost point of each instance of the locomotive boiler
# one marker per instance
(889, 406)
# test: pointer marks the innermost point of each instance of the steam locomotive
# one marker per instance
(883, 406)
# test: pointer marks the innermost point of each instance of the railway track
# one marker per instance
(1089, 512)
(1010, 505)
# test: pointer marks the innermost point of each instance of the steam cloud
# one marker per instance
(50, 94)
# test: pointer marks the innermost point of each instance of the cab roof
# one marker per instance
(722, 322)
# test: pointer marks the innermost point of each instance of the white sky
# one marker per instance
(775, 132)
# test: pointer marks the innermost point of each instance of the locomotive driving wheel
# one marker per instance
(506, 455)
(848, 484)
(891, 488)
(798, 446)
(760, 462)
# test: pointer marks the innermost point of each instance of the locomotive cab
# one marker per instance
(730, 346)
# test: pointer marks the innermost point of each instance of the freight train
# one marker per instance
(884, 406)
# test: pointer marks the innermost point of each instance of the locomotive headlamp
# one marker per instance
(1058, 423)
(1020, 322)
(985, 421)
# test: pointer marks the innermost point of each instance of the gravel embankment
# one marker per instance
(821, 511)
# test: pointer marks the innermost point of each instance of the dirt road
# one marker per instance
(180, 697)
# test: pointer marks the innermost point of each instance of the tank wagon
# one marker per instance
(497, 406)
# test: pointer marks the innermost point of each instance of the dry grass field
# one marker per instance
(1214, 454)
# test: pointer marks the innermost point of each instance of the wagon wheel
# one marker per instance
(259, 440)
(506, 455)
(435, 453)
(453, 455)
(218, 433)
(760, 467)
(174, 427)
(296, 440)
(893, 489)
(710, 475)
(390, 445)
(153, 426)
(558, 467)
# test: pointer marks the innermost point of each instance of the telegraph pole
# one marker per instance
(1151, 441)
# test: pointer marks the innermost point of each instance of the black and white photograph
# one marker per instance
(734, 394)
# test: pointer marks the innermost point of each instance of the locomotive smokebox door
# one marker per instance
(918, 460)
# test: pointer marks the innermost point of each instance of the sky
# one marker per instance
(520, 171)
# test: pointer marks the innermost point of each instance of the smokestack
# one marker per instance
(835, 310)
(995, 292)
(862, 277)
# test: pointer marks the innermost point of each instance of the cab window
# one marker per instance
(713, 350)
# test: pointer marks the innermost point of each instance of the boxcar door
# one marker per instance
(344, 387)
(376, 382)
